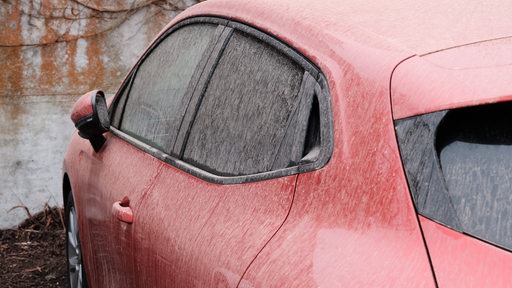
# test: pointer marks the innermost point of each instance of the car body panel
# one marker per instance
(230, 223)
(460, 260)
(352, 222)
(464, 76)
(327, 29)
(418, 27)
(211, 232)
(98, 180)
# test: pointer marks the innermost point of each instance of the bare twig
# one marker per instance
(112, 10)
(87, 11)
(62, 219)
(24, 208)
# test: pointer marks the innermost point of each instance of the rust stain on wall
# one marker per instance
(72, 46)
(51, 51)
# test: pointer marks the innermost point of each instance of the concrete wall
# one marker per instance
(51, 52)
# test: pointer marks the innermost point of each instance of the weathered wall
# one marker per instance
(52, 51)
(69, 46)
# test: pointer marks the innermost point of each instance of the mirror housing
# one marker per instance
(90, 116)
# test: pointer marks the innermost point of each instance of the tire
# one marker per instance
(76, 270)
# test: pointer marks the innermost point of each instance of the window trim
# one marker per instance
(320, 155)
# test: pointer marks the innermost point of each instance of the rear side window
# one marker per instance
(246, 110)
(227, 103)
(156, 100)
(459, 167)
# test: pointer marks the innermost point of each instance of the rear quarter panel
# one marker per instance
(462, 261)
(352, 223)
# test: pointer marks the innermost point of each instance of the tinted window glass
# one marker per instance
(246, 110)
(157, 101)
(475, 148)
(118, 109)
(471, 161)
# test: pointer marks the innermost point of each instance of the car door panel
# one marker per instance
(193, 233)
(228, 184)
(119, 170)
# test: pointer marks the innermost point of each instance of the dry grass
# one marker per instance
(33, 255)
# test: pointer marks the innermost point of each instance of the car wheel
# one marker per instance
(76, 271)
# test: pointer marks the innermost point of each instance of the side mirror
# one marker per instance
(90, 116)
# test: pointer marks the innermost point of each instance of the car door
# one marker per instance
(228, 178)
(121, 171)
(117, 178)
(117, 171)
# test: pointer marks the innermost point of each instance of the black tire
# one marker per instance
(76, 270)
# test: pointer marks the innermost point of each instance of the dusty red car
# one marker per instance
(301, 144)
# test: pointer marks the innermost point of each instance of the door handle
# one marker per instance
(122, 211)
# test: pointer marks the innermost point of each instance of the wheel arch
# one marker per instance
(66, 188)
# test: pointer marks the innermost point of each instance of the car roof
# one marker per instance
(420, 27)
(374, 37)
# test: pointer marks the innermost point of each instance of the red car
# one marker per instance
(301, 144)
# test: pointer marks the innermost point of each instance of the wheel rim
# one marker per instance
(75, 267)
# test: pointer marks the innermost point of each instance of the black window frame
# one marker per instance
(319, 154)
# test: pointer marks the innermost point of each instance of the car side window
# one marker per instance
(249, 105)
(475, 152)
(156, 99)
(458, 164)
(226, 103)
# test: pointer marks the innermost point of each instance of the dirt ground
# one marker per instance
(34, 254)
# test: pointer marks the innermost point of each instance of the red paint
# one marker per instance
(82, 107)
(462, 261)
(122, 212)
(463, 76)
(99, 180)
(351, 223)
(206, 228)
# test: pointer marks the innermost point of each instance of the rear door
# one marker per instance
(229, 170)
